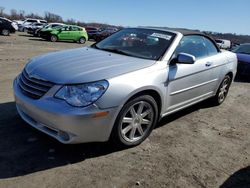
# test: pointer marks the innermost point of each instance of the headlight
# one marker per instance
(83, 94)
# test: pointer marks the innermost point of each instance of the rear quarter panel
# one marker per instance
(230, 66)
(84, 34)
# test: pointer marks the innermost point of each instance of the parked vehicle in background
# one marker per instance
(92, 31)
(30, 21)
(223, 44)
(119, 89)
(243, 55)
(67, 32)
(18, 22)
(45, 31)
(100, 35)
(7, 26)
(34, 28)
(234, 46)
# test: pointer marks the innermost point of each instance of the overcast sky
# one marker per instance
(211, 15)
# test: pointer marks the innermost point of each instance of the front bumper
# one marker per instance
(63, 122)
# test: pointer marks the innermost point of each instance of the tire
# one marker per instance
(222, 92)
(53, 38)
(5, 32)
(82, 40)
(135, 121)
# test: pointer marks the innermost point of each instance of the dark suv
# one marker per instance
(92, 31)
(7, 26)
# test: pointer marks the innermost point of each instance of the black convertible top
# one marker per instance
(180, 30)
(187, 31)
(184, 32)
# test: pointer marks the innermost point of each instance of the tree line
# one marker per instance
(51, 17)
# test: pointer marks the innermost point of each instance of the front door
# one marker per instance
(189, 83)
(64, 33)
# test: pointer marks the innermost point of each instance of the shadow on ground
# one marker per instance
(172, 117)
(61, 41)
(25, 150)
(25, 35)
(242, 79)
(240, 179)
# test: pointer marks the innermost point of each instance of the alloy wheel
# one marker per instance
(5, 32)
(223, 90)
(82, 40)
(137, 121)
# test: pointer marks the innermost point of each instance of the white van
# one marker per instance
(29, 21)
(223, 44)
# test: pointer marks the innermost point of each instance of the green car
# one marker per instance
(66, 32)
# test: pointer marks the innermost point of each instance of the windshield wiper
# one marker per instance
(94, 46)
(114, 51)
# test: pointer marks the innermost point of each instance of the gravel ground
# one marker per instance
(202, 146)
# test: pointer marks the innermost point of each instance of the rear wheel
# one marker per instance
(5, 32)
(53, 38)
(222, 92)
(82, 40)
(135, 121)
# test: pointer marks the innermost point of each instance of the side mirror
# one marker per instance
(185, 58)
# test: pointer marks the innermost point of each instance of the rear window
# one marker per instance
(75, 29)
(243, 49)
(33, 21)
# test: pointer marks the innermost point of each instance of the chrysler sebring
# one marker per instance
(119, 88)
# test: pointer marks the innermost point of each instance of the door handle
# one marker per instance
(208, 64)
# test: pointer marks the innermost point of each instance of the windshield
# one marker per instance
(243, 49)
(138, 42)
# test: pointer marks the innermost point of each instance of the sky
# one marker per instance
(231, 16)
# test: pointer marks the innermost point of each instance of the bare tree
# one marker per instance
(21, 14)
(50, 17)
(2, 11)
(13, 14)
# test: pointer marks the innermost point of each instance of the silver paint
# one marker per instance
(178, 86)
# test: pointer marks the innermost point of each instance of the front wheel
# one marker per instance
(135, 121)
(82, 40)
(5, 32)
(222, 92)
(53, 38)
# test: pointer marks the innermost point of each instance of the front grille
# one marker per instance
(33, 87)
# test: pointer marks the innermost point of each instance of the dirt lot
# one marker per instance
(202, 146)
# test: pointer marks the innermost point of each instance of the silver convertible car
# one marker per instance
(118, 89)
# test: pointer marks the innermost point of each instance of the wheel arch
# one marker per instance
(230, 74)
(151, 92)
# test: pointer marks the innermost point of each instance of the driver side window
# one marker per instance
(193, 45)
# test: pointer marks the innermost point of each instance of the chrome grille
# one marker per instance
(33, 87)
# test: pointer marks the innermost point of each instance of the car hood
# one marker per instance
(243, 57)
(82, 65)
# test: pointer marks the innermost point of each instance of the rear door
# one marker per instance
(75, 33)
(189, 83)
(64, 33)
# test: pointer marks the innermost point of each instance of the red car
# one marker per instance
(104, 34)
